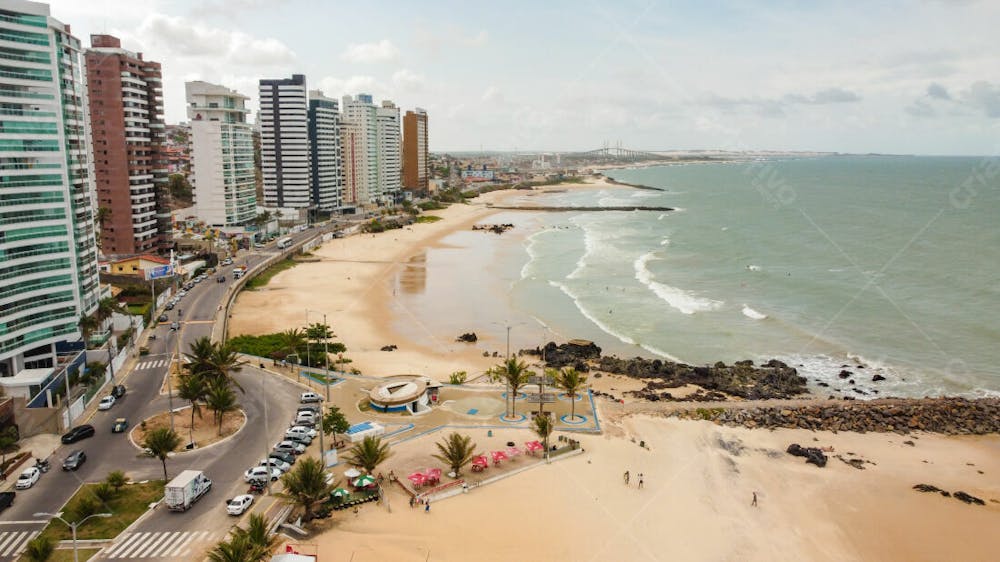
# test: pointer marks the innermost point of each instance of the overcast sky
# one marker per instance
(894, 77)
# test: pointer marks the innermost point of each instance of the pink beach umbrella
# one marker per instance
(418, 478)
(513, 451)
(533, 446)
(498, 456)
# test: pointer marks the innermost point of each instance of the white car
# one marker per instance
(310, 397)
(106, 403)
(239, 504)
(260, 473)
(302, 430)
(275, 463)
(28, 478)
(290, 447)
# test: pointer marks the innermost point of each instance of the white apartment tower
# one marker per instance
(361, 112)
(48, 250)
(284, 142)
(325, 158)
(388, 149)
(221, 155)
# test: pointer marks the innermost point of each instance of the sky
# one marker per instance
(915, 77)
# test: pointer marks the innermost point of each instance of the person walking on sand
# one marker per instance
(754, 502)
(626, 478)
(427, 506)
(640, 481)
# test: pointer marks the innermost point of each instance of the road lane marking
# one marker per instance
(21, 540)
(121, 545)
(8, 538)
(151, 545)
(142, 540)
(173, 542)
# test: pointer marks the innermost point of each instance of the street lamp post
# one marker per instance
(72, 527)
(326, 384)
(507, 325)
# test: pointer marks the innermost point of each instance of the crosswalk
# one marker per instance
(13, 542)
(166, 544)
(157, 363)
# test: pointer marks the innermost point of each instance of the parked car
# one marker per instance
(275, 463)
(118, 391)
(313, 409)
(75, 460)
(77, 433)
(239, 504)
(6, 500)
(170, 305)
(120, 425)
(28, 478)
(310, 397)
(261, 472)
(299, 438)
(163, 318)
(175, 326)
(290, 447)
(283, 457)
(302, 430)
(106, 403)
(227, 261)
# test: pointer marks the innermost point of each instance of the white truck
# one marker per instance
(185, 489)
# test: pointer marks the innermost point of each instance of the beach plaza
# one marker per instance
(505, 444)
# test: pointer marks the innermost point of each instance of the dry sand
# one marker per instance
(695, 504)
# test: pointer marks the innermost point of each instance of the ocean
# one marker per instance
(887, 263)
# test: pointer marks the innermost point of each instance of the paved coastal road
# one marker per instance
(106, 451)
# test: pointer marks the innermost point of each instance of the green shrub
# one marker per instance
(458, 377)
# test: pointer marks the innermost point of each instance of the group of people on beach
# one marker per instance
(628, 477)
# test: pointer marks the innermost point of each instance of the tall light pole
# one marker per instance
(72, 527)
(326, 384)
(507, 325)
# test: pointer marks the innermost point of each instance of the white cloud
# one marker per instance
(336, 87)
(493, 95)
(381, 51)
(177, 36)
(408, 81)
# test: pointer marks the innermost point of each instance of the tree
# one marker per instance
(334, 421)
(161, 442)
(456, 451)
(106, 308)
(192, 388)
(291, 341)
(369, 453)
(571, 382)
(305, 485)
(87, 325)
(103, 491)
(258, 534)
(237, 549)
(39, 549)
(200, 356)
(318, 333)
(179, 188)
(543, 428)
(220, 399)
(458, 377)
(116, 479)
(8, 441)
(515, 374)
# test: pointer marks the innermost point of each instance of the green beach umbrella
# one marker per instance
(340, 493)
(366, 480)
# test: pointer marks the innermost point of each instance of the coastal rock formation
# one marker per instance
(952, 416)
(469, 337)
(494, 228)
(960, 496)
(391, 347)
(812, 454)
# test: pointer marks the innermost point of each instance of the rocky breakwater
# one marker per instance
(952, 416)
(773, 379)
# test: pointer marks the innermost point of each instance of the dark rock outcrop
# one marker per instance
(774, 379)
(812, 454)
(468, 337)
(391, 347)
(962, 496)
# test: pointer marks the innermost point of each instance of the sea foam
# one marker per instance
(586, 313)
(751, 313)
(684, 301)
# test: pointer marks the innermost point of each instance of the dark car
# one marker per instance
(120, 425)
(163, 318)
(77, 433)
(6, 499)
(304, 439)
(75, 460)
(220, 279)
(118, 391)
(283, 457)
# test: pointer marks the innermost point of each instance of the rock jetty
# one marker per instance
(951, 416)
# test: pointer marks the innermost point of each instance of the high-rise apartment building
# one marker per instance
(222, 169)
(354, 159)
(416, 164)
(325, 160)
(48, 250)
(127, 131)
(388, 152)
(284, 142)
(360, 111)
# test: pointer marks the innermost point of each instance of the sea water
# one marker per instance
(827, 263)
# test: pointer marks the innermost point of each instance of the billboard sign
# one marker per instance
(158, 272)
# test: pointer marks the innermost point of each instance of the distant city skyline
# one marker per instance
(898, 77)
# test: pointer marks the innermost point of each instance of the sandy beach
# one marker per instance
(699, 478)
(699, 481)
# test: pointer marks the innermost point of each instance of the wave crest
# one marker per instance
(684, 301)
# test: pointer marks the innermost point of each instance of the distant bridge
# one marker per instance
(615, 153)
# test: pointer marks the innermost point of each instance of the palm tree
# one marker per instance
(192, 388)
(515, 373)
(543, 428)
(223, 361)
(258, 534)
(237, 549)
(305, 485)
(161, 442)
(200, 356)
(8, 440)
(369, 453)
(457, 451)
(87, 325)
(571, 382)
(220, 399)
(291, 341)
(107, 307)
